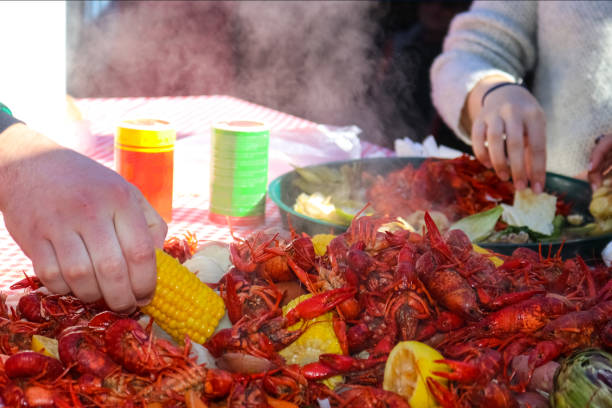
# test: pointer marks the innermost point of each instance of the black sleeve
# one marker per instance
(7, 120)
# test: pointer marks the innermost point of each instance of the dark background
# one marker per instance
(381, 52)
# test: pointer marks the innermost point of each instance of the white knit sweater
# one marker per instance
(570, 46)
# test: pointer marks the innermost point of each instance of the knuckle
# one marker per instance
(123, 192)
(76, 273)
(52, 279)
(140, 252)
(534, 112)
(514, 143)
(507, 110)
(110, 266)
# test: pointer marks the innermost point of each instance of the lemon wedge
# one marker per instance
(45, 345)
(320, 243)
(408, 366)
(319, 338)
(497, 261)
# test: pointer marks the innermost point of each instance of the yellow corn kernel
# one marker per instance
(180, 297)
(319, 338)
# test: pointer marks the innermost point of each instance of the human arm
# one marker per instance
(86, 229)
(494, 42)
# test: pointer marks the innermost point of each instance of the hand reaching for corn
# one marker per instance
(182, 304)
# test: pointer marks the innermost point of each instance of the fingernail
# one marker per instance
(503, 175)
(593, 186)
(143, 302)
(520, 185)
(590, 166)
(537, 188)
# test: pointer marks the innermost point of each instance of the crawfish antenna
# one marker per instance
(362, 210)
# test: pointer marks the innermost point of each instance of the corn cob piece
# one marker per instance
(319, 338)
(182, 304)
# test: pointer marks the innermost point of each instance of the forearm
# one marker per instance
(18, 144)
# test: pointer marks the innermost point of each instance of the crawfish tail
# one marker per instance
(526, 317)
(453, 292)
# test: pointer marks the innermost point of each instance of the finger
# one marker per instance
(47, 267)
(110, 266)
(479, 130)
(155, 223)
(597, 174)
(495, 138)
(138, 250)
(516, 150)
(599, 153)
(536, 150)
(595, 178)
(76, 266)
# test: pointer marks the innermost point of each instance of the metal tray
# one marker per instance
(282, 192)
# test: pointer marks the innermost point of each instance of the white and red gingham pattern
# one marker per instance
(190, 116)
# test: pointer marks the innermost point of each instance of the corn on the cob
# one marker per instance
(182, 304)
(319, 338)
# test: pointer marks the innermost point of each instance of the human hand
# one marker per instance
(86, 229)
(510, 111)
(601, 161)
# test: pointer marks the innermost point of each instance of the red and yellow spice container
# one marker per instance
(144, 156)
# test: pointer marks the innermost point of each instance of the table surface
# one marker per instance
(192, 117)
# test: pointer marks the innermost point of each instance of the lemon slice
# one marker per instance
(408, 366)
(345, 215)
(45, 345)
(497, 261)
(319, 338)
(320, 243)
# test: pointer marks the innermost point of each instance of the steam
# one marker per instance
(314, 59)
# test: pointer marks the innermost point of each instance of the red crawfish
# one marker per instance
(527, 316)
(448, 287)
(181, 248)
(32, 364)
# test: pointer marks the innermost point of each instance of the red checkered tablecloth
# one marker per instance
(192, 117)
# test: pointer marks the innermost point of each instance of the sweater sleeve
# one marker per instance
(7, 120)
(493, 37)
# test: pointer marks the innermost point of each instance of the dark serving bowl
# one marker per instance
(284, 193)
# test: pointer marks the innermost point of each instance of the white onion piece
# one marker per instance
(324, 403)
(224, 323)
(606, 254)
(206, 269)
(218, 251)
(203, 355)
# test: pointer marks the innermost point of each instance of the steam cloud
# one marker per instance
(314, 59)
